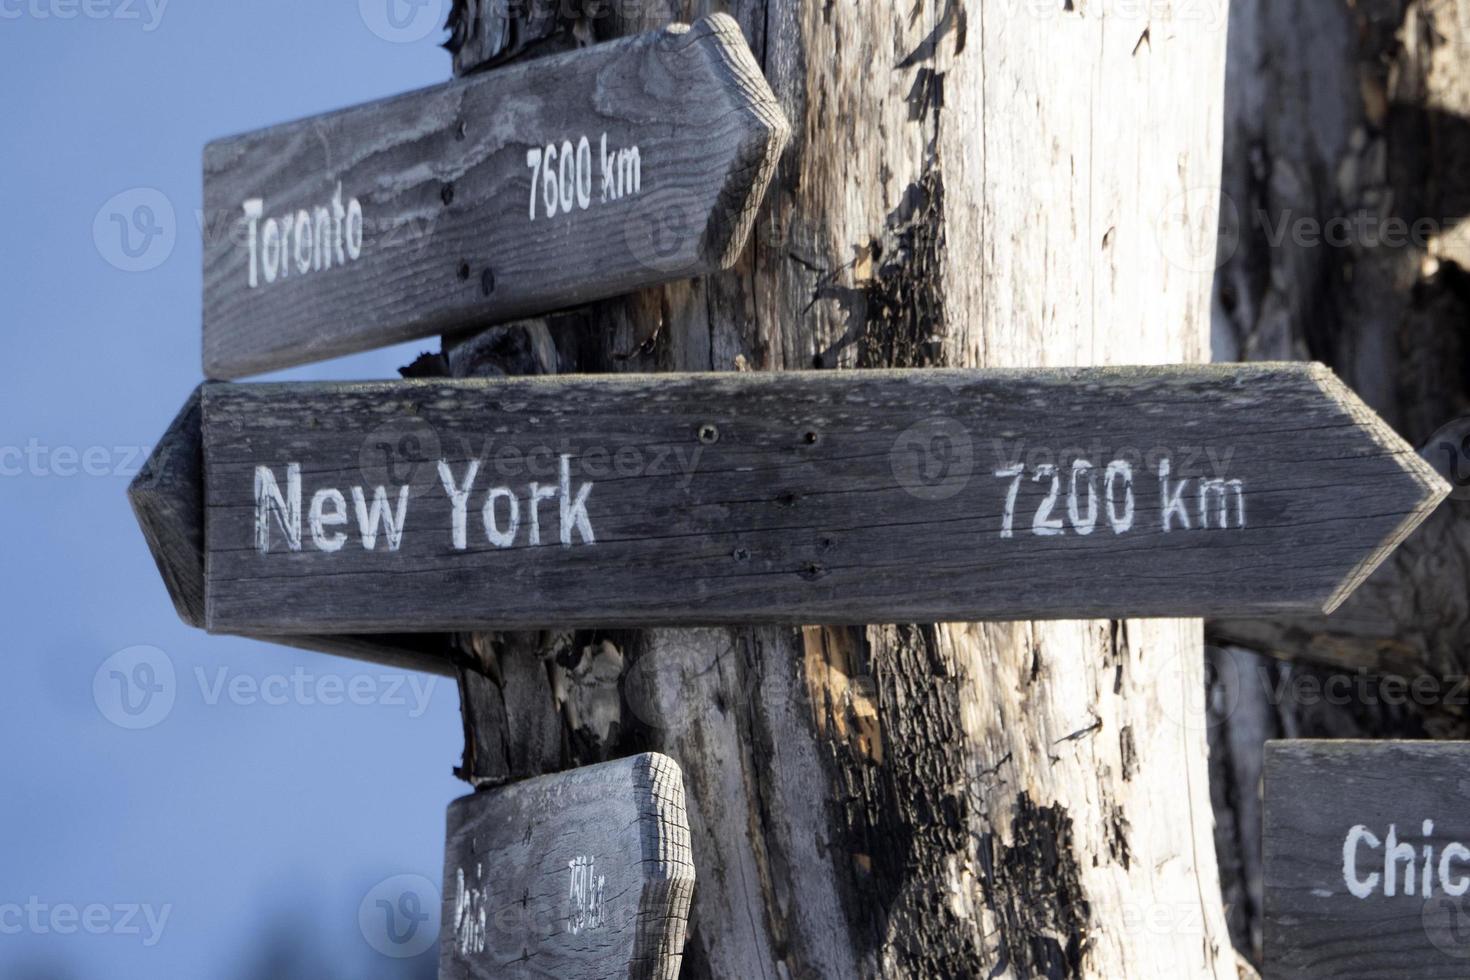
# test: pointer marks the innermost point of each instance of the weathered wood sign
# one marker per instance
(1367, 860)
(513, 192)
(815, 498)
(584, 875)
(167, 497)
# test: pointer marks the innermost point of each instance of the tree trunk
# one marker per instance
(1344, 192)
(1348, 195)
(966, 186)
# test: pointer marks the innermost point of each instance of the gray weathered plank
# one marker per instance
(584, 875)
(1325, 918)
(422, 215)
(823, 497)
(167, 497)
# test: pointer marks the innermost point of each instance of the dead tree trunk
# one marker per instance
(1345, 191)
(966, 186)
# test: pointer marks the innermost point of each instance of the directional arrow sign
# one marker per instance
(168, 498)
(1367, 857)
(816, 498)
(584, 875)
(513, 192)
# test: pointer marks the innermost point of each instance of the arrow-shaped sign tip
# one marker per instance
(168, 500)
(167, 497)
(1422, 489)
(763, 135)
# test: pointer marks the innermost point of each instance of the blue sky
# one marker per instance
(250, 820)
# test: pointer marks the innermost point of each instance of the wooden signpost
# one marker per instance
(584, 875)
(813, 498)
(513, 192)
(365, 519)
(1367, 860)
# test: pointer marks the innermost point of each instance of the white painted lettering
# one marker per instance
(562, 175)
(1171, 502)
(584, 174)
(322, 235)
(308, 240)
(585, 896)
(301, 242)
(574, 512)
(497, 537)
(1008, 517)
(321, 519)
(1406, 871)
(1120, 521)
(1359, 887)
(1458, 886)
(354, 229)
(1043, 523)
(459, 495)
(1214, 499)
(338, 214)
(286, 510)
(470, 914)
(1083, 526)
(270, 250)
(381, 514)
(549, 193)
(538, 494)
(609, 180)
(1395, 852)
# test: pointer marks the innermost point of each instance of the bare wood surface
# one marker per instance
(584, 875)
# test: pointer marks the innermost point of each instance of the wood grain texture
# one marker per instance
(823, 497)
(167, 497)
(1316, 793)
(442, 180)
(584, 875)
(1002, 799)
